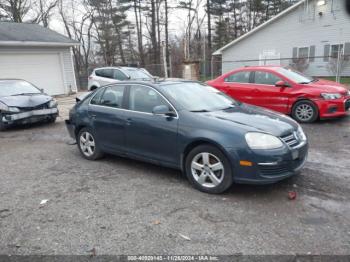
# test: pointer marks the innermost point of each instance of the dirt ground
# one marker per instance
(121, 206)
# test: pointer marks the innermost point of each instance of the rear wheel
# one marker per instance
(208, 169)
(2, 125)
(88, 145)
(305, 111)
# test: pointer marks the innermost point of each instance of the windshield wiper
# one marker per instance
(200, 111)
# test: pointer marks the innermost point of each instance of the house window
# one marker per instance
(336, 50)
(303, 52)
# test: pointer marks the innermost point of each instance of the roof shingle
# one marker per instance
(34, 33)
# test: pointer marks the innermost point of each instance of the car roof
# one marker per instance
(155, 83)
(272, 67)
(118, 67)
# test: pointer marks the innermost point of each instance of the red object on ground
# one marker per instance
(292, 195)
(279, 88)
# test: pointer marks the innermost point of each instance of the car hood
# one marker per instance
(253, 118)
(326, 86)
(26, 100)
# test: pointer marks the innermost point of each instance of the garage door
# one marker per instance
(43, 70)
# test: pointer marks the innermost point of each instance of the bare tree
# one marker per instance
(14, 10)
(78, 26)
(44, 10)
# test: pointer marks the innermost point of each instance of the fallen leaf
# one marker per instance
(292, 195)
(185, 237)
(156, 222)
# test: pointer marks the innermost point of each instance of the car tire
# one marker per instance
(2, 125)
(305, 111)
(52, 119)
(88, 145)
(208, 169)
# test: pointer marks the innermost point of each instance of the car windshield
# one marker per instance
(137, 74)
(197, 97)
(17, 87)
(295, 75)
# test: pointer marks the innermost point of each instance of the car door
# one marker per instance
(148, 135)
(268, 94)
(108, 117)
(238, 86)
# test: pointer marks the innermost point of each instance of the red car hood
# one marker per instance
(327, 86)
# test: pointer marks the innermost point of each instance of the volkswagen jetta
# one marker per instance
(212, 138)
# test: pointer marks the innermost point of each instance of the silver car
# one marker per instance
(108, 75)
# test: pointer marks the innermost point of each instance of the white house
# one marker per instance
(312, 32)
(38, 55)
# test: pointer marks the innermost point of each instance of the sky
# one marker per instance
(177, 18)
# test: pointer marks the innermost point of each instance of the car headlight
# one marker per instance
(330, 96)
(301, 135)
(10, 109)
(348, 93)
(52, 103)
(257, 140)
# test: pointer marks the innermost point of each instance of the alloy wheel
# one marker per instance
(87, 144)
(207, 169)
(304, 112)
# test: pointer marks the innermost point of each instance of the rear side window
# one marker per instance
(119, 75)
(108, 73)
(96, 99)
(99, 72)
(113, 96)
(239, 77)
(265, 78)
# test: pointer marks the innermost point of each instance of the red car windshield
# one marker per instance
(295, 76)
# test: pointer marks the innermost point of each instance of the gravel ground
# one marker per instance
(120, 206)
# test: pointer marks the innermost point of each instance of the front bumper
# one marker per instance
(269, 166)
(333, 108)
(29, 116)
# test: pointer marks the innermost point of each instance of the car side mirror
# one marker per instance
(41, 90)
(162, 110)
(281, 84)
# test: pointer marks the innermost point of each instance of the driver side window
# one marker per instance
(144, 99)
(265, 78)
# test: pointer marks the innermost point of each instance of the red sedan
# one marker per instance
(287, 91)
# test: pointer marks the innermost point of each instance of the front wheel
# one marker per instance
(88, 145)
(208, 169)
(305, 111)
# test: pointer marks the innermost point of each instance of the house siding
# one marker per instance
(66, 59)
(297, 28)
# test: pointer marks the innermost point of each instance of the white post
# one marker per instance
(164, 60)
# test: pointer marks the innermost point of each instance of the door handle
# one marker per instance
(93, 116)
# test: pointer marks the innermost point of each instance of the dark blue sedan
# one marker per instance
(190, 126)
